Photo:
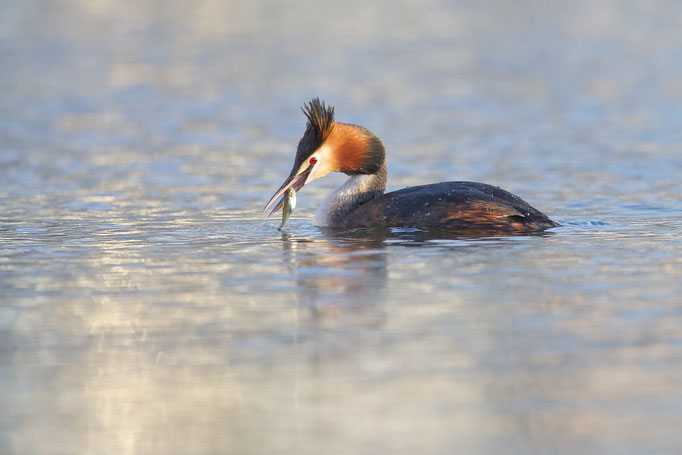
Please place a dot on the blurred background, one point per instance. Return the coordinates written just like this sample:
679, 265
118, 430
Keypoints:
148, 306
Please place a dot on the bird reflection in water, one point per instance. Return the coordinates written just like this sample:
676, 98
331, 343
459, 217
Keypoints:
344, 277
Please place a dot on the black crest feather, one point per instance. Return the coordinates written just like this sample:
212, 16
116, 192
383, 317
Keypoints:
320, 120
320, 117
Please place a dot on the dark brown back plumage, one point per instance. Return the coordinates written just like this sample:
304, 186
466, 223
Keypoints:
460, 206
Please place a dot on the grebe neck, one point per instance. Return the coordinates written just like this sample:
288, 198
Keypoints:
357, 190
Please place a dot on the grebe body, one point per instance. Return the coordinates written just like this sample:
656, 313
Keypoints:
330, 146
447, 205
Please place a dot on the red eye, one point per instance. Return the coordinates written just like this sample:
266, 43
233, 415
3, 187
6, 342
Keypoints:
312, 160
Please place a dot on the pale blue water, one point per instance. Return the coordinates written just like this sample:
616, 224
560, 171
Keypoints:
148, 306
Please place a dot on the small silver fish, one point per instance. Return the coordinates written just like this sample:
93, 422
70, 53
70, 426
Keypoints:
288, 206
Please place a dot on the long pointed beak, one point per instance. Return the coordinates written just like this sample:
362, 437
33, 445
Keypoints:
294, 181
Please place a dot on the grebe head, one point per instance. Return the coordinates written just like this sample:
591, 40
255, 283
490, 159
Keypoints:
330, 146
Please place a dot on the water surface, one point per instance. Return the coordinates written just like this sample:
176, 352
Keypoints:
148, 305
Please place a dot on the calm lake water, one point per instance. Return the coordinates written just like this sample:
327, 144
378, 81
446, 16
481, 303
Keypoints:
148, 305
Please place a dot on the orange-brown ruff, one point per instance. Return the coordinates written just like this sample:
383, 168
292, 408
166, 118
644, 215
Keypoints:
330, 146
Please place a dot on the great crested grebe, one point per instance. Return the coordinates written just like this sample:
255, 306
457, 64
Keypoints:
331, 146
